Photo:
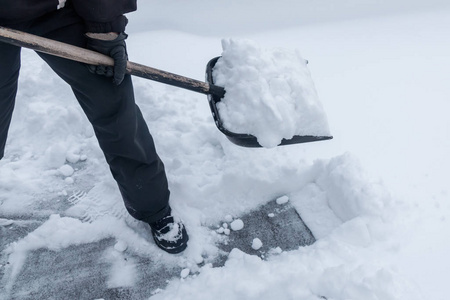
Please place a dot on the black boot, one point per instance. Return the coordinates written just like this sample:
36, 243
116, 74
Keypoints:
169, 235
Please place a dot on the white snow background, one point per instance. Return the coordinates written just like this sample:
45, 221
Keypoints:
376, 196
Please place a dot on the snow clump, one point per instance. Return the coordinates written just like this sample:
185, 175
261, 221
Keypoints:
237, 225
66, 170
282, 200
256, 244
269, 93
228, 218
185, 273
5, 222
120, 246
69, 180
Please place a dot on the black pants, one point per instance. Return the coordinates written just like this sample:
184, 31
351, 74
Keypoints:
117, 121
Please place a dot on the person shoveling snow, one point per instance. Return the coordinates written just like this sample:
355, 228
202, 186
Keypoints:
285, 103
109, 104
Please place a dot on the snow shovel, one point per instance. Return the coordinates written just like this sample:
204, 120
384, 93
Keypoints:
215, 93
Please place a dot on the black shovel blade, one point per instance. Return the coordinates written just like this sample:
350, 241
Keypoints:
244, 139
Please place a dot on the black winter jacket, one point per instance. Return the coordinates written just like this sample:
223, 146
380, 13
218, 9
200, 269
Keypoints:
98, 15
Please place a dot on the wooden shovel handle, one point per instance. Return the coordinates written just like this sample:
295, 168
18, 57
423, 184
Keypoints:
40, 44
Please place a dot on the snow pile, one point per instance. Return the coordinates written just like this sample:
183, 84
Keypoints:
351, 216
269, 93
247, 277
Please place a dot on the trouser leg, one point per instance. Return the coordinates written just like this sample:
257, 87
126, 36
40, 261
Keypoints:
9, 73
120, 129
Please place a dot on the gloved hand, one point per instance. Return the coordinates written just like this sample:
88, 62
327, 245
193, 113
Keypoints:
111, 44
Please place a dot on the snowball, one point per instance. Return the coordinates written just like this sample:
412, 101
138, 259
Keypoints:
269, 93
271, 215
220, 230
237, 225
282, 200
83, 157
198, 259
227, 231
5, 222
277, 250
66, 170
225, 225
185, 273
228, 218
120, 246
256, 244
69, 180
72, 157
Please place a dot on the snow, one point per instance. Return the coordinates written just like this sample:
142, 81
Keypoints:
66, 170
237, 225
5, 222
121, 246
375, 197
172, 235
185, 273
123, 272
256, 244
60, 232
269, 93
69, 180
228, 218
282, 200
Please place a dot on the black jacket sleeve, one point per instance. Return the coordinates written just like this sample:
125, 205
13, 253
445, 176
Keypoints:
103, 16
17, 11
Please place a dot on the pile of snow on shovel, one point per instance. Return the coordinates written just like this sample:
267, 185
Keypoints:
269, 93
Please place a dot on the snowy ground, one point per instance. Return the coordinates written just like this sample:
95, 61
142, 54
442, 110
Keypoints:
376, 197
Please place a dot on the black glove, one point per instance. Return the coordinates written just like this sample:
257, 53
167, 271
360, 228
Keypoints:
117, 49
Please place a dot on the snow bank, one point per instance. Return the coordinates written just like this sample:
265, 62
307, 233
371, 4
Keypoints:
269, 93
349, 213
303, 276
